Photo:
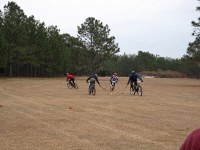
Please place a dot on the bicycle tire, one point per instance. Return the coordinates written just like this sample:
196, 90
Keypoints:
111, 87
89, 91
75, 86
69, 85
132, 91
139, 92
93, 91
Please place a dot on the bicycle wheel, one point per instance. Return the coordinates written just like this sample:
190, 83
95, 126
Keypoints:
75, 86
69, 85
111, 87
139, 90
93, 91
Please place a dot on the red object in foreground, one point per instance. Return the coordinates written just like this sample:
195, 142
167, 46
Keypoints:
192, 142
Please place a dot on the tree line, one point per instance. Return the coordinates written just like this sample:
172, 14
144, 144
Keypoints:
31, 49
154, 65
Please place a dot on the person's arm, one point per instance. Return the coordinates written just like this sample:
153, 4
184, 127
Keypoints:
88, 79
111, 79
139, 78
128, 80
97, 80
67, 78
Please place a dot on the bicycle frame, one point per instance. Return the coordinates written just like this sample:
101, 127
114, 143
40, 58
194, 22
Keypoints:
71, 85
136, 89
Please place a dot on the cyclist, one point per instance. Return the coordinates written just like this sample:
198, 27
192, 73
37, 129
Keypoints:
133, 79
70, 78
92, 79
114, 78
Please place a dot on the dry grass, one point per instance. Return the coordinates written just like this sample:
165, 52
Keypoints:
42, 114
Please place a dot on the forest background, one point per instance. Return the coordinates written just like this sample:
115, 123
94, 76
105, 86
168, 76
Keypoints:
29, 48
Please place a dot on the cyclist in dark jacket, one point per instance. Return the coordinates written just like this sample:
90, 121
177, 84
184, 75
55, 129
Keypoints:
133, 78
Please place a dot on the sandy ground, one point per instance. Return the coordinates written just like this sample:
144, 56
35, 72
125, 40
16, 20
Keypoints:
42, 114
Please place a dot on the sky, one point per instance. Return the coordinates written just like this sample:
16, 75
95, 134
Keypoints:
160, 27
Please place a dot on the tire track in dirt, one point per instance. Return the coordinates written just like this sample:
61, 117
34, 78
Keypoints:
101, 119
80, 117
52, 128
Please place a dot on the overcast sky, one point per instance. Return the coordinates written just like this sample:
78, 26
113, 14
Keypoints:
161, 27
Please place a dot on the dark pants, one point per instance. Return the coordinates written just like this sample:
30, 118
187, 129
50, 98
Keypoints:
135, 83
71, 81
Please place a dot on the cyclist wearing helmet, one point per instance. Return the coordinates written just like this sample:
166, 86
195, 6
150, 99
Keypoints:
133, 78
92, 79
114, 78
70, 78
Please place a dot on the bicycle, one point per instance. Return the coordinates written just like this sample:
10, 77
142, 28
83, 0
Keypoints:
136, 89
91, 89
112, 85
71, 85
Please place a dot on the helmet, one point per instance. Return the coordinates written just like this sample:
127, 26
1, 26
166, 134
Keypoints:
95, 75
114, 73
132, 71
67, 73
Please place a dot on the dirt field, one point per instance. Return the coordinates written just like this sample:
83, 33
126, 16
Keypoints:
42, 114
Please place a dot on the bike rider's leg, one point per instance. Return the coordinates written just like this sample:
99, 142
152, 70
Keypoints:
73, 80
91, 84
92, 87
94, 84
131, 85
135, 85
70, 81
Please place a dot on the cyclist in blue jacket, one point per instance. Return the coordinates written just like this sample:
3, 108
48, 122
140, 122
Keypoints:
133, 79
